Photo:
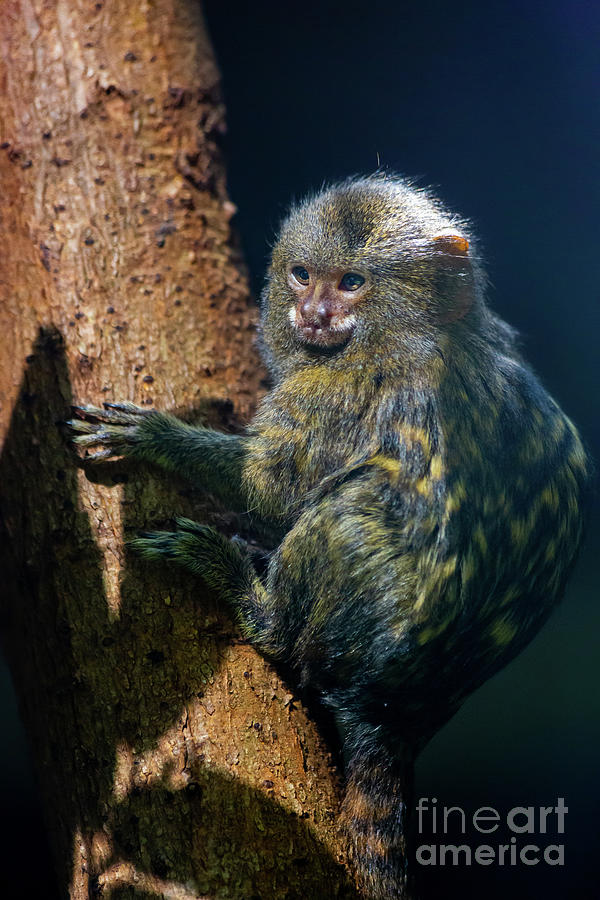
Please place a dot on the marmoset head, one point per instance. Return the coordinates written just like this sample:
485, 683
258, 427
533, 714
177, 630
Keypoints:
371, 265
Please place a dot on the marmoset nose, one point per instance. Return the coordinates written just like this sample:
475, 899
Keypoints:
318, 314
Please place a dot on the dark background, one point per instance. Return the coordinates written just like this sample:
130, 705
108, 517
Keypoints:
497, 106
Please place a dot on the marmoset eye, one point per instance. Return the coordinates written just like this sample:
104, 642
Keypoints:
301, 274
351, 282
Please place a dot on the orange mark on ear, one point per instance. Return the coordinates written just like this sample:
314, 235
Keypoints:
452, 243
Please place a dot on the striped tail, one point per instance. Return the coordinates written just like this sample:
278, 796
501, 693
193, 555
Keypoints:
378, 800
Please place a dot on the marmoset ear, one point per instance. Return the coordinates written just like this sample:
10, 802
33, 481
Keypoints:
452, 242
455, 285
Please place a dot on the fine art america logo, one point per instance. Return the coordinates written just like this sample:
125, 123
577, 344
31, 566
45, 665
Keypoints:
522, 822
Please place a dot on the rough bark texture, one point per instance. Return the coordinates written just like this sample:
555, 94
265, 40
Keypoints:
172, 760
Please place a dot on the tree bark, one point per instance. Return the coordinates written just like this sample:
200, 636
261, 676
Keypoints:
172, 760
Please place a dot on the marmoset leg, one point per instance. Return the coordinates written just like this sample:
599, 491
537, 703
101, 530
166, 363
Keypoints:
223, 566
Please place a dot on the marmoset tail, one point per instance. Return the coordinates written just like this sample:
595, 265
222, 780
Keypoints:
426, 488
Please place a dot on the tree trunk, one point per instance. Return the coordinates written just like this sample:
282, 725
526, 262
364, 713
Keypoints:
172, 760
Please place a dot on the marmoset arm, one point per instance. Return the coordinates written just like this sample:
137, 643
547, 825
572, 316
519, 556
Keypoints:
209, 459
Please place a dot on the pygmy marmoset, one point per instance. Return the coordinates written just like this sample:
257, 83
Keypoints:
426, 488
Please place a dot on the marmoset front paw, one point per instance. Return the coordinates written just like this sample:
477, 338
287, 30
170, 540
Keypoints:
114, 428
